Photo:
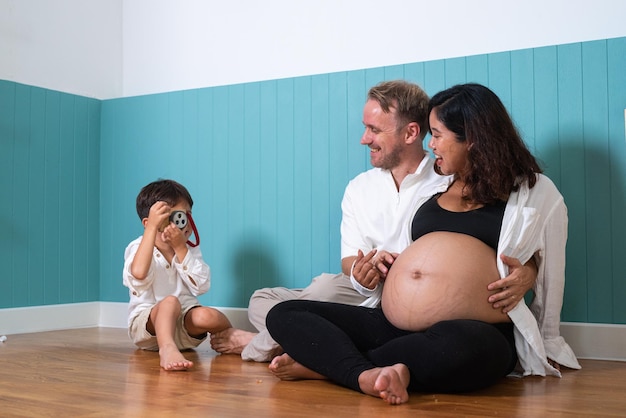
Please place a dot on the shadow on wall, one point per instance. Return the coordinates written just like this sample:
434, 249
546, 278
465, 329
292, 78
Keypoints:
254, 265
594, 191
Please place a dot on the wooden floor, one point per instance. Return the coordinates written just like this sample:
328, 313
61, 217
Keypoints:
97, 372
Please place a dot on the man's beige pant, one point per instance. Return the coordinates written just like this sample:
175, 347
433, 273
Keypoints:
325, 287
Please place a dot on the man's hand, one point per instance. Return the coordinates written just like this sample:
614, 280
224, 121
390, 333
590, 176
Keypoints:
383, 261
513, 287
364, 270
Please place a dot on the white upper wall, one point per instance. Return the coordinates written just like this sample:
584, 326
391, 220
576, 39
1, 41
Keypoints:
117, 48
73, 46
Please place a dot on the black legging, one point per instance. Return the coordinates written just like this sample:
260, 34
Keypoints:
341, 341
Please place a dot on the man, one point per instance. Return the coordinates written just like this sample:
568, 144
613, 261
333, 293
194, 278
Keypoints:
377, 207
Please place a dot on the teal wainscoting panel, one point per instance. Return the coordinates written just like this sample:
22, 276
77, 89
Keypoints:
522, 106
51, 220
616, 50
52, 243
320, 149
85, 228
357, 87
198, 160
477, 69
221, 251
598, 181
282, 258
247, 240
394, 72
455, 71
338, 142
20, 213
9, 219
238, 183
435, 77
269, 167
571, 146
303, 170
111, 253
92, 195
188, 155
500, 80
65, 196
36, 193
545, 141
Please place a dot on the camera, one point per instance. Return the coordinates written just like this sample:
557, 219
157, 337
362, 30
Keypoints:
179, 218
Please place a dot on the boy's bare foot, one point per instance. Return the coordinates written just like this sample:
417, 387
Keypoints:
286, 368
172, 359
231, 340
389, 383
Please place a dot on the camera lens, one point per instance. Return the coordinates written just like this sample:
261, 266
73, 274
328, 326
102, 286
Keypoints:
179, 218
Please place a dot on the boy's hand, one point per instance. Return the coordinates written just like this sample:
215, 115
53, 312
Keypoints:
174, 236
158, 216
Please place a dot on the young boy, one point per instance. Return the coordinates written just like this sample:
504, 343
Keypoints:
164, 277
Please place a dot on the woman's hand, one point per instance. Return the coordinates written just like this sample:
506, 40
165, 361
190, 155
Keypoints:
513, 287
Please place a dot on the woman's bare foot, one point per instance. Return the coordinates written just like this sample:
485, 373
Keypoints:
286, 368
389, 383
554, 364
172, 359
231, 340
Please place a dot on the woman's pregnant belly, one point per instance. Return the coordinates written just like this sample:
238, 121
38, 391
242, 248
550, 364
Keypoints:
441, 276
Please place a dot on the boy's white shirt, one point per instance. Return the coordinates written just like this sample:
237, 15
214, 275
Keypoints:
165, 279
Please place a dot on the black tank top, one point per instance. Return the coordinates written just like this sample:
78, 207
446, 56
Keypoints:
483, 223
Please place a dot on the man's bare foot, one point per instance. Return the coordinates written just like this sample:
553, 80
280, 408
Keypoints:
286, 368
231, 340
172, 359
389, 383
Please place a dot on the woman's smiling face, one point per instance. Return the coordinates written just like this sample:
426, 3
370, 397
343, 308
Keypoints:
450, 153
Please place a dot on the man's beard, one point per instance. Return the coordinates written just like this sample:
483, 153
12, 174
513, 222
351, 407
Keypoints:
392, 159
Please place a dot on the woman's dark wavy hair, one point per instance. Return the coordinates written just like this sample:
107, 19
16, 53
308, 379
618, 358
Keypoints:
499, 159
168, 191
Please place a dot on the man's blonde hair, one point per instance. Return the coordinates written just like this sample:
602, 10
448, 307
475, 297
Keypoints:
408, 99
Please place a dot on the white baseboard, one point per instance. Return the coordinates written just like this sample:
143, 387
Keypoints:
596, 341
84, 315
589, 341
49, 317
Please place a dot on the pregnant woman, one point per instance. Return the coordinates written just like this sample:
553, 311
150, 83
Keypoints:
435, 330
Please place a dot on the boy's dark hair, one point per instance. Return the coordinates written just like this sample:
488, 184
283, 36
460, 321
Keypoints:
167, 191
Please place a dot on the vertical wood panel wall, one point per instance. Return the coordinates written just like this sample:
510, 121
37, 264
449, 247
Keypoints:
49, 172
267, 164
